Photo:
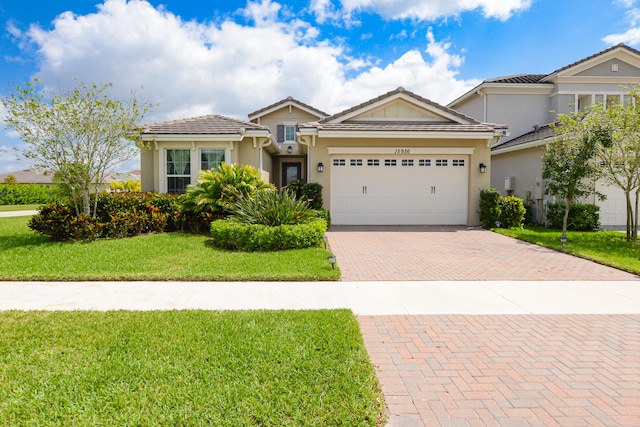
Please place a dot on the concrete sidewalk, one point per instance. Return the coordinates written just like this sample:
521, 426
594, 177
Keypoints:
364, 298
17, 213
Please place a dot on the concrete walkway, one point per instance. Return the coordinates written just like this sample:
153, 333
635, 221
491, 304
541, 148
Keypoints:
364, 298
17, 213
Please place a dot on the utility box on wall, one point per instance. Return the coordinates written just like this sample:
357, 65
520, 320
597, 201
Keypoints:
509, 183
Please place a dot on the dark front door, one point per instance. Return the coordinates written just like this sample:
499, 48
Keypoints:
291, 172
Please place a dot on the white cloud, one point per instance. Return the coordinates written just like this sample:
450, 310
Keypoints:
191, 68
632, 35
427, 10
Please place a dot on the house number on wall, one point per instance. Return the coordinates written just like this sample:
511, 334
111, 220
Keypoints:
402, 151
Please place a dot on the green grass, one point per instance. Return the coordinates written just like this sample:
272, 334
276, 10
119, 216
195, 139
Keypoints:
605, 247
25, 255
12, 208
186, 368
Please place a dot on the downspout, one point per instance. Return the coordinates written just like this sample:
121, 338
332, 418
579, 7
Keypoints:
484, 104
260, 146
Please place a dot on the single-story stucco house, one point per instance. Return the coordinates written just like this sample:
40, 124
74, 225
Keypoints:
393, 160
529, 103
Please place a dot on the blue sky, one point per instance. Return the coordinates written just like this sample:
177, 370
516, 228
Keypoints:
235, 57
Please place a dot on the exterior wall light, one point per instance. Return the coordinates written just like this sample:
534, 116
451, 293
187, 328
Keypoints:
289, 149
483, 168
332, 261
320, 167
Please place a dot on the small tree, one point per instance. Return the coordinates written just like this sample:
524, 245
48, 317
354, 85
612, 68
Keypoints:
568, 163
81, 134
620, 152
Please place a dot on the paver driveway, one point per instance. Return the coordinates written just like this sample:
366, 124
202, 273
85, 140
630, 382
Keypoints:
392, 253
492, 370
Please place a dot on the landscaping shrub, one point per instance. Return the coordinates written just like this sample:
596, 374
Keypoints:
308, 191
231, 234
512, 212
268, 207
27, 194
489, 207
60, 223
216, 190
118, 215
582, 217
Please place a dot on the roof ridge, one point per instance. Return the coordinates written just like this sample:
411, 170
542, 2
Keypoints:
602, 52
284, 101
398, 90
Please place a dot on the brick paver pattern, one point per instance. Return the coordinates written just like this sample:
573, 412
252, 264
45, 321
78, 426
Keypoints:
517, 370
388, 253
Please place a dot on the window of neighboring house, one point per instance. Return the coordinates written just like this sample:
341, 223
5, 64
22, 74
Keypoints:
178, 170
210, 158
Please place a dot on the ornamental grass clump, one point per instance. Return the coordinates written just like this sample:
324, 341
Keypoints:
270, 208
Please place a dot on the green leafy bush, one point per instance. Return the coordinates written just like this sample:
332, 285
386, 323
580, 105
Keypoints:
489, 207
27, 194
582, 217
118, 215
231, 234
311, 192
216, 190
512, 212
268, 207
60, 223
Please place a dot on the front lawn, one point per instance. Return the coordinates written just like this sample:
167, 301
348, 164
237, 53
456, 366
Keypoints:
605, 247
25, 255
186, 368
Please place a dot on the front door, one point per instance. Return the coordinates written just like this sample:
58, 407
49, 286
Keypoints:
291, 172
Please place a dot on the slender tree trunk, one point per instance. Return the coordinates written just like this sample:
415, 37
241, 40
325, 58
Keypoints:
634, 236
627, 195
565, 219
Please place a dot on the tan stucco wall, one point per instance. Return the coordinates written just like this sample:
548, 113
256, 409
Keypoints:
477, 180
147, 170
284, 115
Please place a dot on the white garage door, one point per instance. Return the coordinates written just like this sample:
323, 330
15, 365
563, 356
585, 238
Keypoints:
399, 190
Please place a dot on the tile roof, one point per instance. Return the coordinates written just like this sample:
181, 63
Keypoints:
394, 92
518, 78
619, 45
30, 176
537, 134
213, 124
285, 101
402, 127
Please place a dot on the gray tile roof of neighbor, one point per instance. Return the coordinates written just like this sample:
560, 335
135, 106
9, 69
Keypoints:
518, 78
212, 124
537, 134
30, 176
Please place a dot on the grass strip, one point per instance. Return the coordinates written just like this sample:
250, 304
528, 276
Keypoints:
605, 247
25, 255
186, 368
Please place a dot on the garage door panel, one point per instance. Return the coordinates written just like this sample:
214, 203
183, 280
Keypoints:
402, 190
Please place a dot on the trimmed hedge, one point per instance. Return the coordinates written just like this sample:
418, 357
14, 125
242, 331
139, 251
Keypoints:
27, 194
230, 234
582, 217
501, 212
489, 211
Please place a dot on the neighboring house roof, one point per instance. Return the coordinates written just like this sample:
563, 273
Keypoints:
284, 103
595, 55
122, 176
212, 124
30, 176
533, 138
518, 78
